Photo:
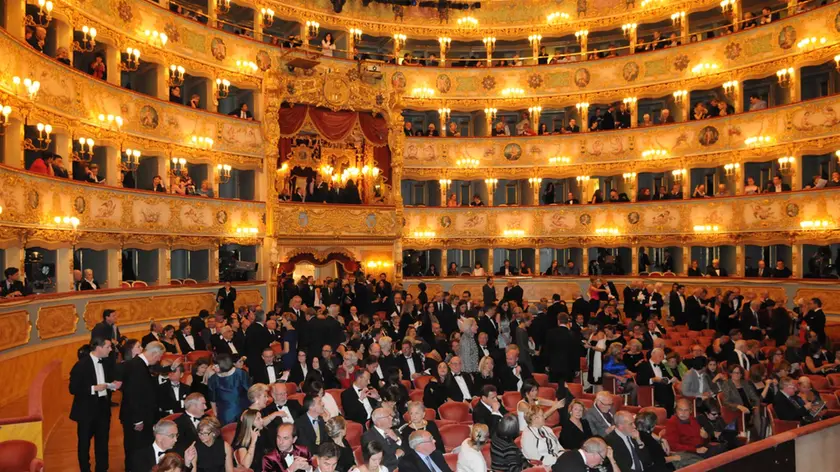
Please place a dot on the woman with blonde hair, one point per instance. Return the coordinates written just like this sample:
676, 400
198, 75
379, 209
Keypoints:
485, 375
538, 440
346, 372
337, 431
470, 458
575, 429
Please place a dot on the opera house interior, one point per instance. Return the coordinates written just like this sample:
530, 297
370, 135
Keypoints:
432, 236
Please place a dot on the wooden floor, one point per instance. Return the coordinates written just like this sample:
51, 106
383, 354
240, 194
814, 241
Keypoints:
60, 453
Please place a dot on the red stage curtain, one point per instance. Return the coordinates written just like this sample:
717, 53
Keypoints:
333, 125
285, 149
374, 128
291, 120
382, 158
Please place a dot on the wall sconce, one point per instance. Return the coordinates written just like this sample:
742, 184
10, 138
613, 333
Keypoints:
222, 88
655, 154
424, 234
399, 40
786, 164
535, 181
535, 111
444, 184
810, 43
378, 264
727, 6
512, 92
368, 171
44, 14
756, 141
445, 44
467, 163
85, 150
67, 222
630, 102
131, 160
156, 38
44, 139
582, 179
88, 40
31, 87
607, 231
730, 89
356, 34
222, 6
628, 28
132, 60
785, 77
813, 225
176, 75
312, 28
423, 92
246, 67
680, 96
704, 68
110, 120
444, 114
202, 142
491, 184
677, 18
582, 108
223, 173
489, 44
557, 17
490, 113
679, 174
559, 160
246, 230
467, 22
177, 165
581, 35
731, 170
534, 40
836, 153
267, 16
629, 177
706, 228
514, 233
837, 62
5, 111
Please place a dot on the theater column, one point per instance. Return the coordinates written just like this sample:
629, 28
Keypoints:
584, 260
113, 58
490, 264
213, 260
686, 260
15, 256
114, 265
397, 257
795, 174
258, 24
112, 166
15, 18
796, 260
262, 259
634, 258
12, 149
164, 265
740, 260
443, 270
536, 269
64, 269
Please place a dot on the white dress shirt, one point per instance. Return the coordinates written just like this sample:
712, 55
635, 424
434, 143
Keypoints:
410, 362
462, 384
100, 376
272, 373
657, 371
190, 341
365, 401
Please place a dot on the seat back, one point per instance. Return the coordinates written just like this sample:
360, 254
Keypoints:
421, 381
451, 460
17, 455
819, 382
541, 379
547, 393
834, 380
194, 356
354, 434
575, 389
228, 431
780, 426
510, 399
455, 411
453, 435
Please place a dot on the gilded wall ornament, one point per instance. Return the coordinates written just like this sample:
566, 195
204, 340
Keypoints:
149, 117
582, 77
585, 219
837, 22
445, 221
264, 60
218, 49
732, 51
708, 136
172, 32
443, 83
370, 220
630, 71
633, 218
124, 10
787, 37
535, 81
33, 199
79, 205
303, 219
792, 210
336, 91
513, 152
398, 81
681, 62
488, 82
221, 217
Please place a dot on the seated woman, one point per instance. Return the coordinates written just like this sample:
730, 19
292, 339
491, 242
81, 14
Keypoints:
485, 376
538, 440
504, 453
372, 453
674, 369
436, 392
614, 365
739, 393
212, 453
765, 386
337, 431
479, 270
634, 355
417, 422
470, 458
658, 457
530, 397
248, 447
575, 429
817, 359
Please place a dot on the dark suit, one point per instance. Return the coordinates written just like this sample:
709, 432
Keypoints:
570, 461
781, 273
220, 346
238, 114
143, 459
748, 321
185, 346
561, 350
694, 313
647, 340
755, 273
168, 402
515, 294
149, 338
454, 390
711, 272
354, 410
402, 363
488, 294
412, 462
789, 409
509, 381
257, 338
260, 373
816, 322
227, 299
294, 409
482, 414
85, 285
486, 325
389, 447
139, 405
676, 309
663, 393
305, 432
187, 433
105, 331
91, 412
622, 455
16, 286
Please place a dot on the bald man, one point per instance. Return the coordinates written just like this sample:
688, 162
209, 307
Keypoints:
275, 461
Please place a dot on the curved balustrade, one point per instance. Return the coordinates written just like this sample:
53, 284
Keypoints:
804, 127
316, 220
765, 219
31, 201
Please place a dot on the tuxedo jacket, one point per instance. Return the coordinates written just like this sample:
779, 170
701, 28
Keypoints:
168, 402
15, 287
482, 414
766, 272
416, 360
305, 431
105, 331
710, 271
227, 300
509, 381
274, 461
675, 308
354, 410
198, 342
82, 377
788, 409
144, 459
411, 462
562, 353
257, 338
454, 391
570, 461
220, 346
148, 338
187, 433
623, 457
489, 326
663, 393
694, 313
271, 428
139, 389
514, 294
488, 294
389, 447
260, 373
85, 285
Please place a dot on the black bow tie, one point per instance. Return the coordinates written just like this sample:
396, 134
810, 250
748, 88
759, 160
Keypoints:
160, 453
456, 375
99, 361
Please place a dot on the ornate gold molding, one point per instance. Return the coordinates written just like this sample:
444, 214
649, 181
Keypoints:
16, 329
56, 321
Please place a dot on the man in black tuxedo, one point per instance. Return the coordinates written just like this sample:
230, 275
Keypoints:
487, 324
155, 333
676, 305
139, 410
715, 270
589, 457
289, 410
269, 370
815, 319
383, 432
506, 270
310, 428
242, 112
199, 323
107, 329
787, 404
186, 340
489, 409
410, 362
561, 351
695, 311
258, 338
88, 282
12, 286
628, 449
360, 400
330, 295
195, 406
650, 373
226, 296
488, 293
227, 344
514, 292
91, 383
760, 271
422, 455
513, 374
172, 394
144, 458
751, 321
652, 333
460, 384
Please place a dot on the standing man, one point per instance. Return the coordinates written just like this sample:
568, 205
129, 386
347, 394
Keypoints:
91, 384
488, 293
107, 328
226, 296
139, 406
258, 338
815, 318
